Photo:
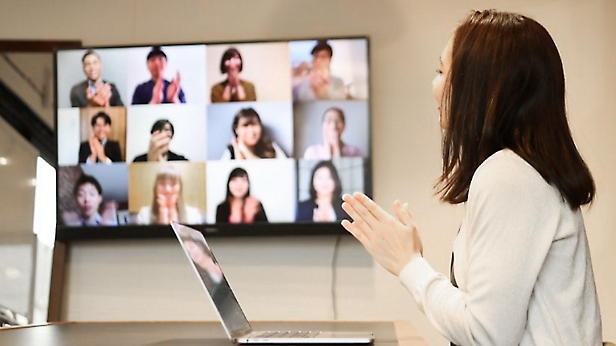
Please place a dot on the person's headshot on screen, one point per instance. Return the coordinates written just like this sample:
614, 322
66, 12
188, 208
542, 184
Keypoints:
88, 194
250, 140
161, 135
332, 126
99, 149
167, 201
233, 88
521, 270
316, 82
158, 90
239, 206
94, 91
325, 202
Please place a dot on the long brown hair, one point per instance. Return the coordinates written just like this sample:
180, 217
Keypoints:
506, 89
264, 147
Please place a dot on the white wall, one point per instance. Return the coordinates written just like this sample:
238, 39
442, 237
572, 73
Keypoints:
147, 280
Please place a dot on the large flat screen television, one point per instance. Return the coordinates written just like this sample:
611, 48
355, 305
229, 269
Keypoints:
233, 138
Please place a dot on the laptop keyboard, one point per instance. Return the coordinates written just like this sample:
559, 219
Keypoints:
289, 334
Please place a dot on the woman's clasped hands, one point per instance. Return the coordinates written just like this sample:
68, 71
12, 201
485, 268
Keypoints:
392, 241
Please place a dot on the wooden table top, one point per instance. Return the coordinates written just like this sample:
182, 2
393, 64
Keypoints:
187, 333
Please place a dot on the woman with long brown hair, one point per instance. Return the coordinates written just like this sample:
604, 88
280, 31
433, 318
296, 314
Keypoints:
521, 271
250, 139
167, 202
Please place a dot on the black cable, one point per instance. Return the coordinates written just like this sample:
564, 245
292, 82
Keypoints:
334, 275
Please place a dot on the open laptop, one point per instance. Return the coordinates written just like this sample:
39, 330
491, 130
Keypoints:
233, 319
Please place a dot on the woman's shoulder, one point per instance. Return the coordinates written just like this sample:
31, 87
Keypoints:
246, 84
308, 203
143, 217
506, 173
280, 154
503, 163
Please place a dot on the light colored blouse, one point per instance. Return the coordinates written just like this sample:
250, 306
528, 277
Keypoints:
522, 264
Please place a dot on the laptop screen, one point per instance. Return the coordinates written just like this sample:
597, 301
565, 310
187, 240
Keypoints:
213, 280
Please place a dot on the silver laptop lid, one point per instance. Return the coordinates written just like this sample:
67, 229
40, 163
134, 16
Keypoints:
213, 280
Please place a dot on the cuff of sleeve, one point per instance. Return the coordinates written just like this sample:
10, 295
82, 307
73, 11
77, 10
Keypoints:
416, 276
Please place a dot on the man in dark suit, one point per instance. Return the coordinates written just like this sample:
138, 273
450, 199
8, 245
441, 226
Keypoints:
162, 133
94, 91
99, 149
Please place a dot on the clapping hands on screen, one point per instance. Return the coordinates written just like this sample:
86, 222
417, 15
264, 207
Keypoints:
159, 145
245, 210
319, 82
323, 213
333, 145
167, 208
97, 151
173, 90
101, 97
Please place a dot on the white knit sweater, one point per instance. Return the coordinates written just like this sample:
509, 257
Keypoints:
522, 265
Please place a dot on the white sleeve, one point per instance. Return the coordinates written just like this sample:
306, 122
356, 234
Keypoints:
280, 154
226, 155
193, 215
143, 217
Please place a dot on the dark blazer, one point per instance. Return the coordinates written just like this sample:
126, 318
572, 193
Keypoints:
80, 99
112, 150
223, 211
305, 209
171, 156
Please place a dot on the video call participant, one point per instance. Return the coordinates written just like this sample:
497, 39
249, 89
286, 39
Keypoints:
89, 196
167, 202
239, 206
332, 126
325, 202
162, 134
250, 140
99, 149
94, 91
316, 82
158, 90
233, 88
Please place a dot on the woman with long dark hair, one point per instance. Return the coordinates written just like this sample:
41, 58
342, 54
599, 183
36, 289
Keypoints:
521, 270
239, 206
324, 204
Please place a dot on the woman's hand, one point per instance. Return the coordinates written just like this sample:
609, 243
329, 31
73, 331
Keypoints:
163, 209
323, 213
392, 241
242, 151
167, 208
251, 208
